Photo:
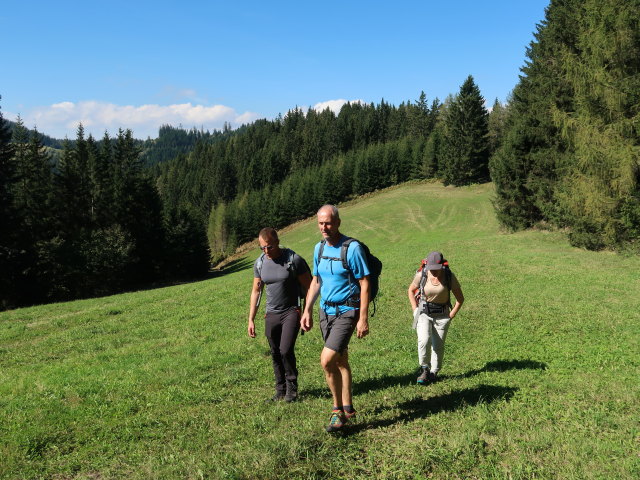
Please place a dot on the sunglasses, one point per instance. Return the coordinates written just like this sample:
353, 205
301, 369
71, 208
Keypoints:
266, 247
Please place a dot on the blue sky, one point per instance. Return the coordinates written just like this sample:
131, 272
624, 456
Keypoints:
141, 64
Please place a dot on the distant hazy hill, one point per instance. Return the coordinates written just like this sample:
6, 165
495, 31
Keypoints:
171, 142
46, 139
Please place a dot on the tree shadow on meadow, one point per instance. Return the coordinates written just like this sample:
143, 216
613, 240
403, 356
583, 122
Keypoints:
234, 266
419, 407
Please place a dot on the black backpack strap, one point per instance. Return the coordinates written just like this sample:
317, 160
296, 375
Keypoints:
447, 275
322, 244
317, 260
345, 264
423, 281
293, 273
343, 252
259, 265
291, 267
259, 268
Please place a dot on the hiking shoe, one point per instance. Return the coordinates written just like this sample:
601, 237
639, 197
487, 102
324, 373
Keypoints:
291, 396
336, 422
350, 415
424, 377
433, 377
292, 392
276, 398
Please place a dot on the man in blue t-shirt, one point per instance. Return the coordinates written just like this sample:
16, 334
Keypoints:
344, 308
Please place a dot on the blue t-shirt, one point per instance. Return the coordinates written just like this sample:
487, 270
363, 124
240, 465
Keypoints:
336, 287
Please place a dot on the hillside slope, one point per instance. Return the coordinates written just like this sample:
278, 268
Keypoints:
539, 381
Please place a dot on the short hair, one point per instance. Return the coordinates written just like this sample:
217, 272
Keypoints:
334, 211
268, 232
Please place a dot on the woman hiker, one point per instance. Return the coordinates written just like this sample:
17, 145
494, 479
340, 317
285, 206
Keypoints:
430, 297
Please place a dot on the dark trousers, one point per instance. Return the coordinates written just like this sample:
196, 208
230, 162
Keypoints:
282, 330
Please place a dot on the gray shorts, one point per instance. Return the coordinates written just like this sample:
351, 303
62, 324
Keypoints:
337, 330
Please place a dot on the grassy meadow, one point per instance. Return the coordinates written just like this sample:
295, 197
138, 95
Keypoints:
540, 378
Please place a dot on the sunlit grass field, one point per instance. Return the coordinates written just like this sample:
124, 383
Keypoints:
540, 379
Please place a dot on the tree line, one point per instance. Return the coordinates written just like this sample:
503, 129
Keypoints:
91, 223
279, 171
102, 217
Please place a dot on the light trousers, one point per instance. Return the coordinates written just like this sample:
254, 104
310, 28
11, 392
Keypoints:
432, 332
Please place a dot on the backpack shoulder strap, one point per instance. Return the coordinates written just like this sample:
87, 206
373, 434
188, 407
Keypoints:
317, 260
259, 268
448, 277
259, 265
343, 252
423, 281
320, 251
291, 266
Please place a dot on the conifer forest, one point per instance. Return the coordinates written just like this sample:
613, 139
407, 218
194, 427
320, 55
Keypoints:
86, 217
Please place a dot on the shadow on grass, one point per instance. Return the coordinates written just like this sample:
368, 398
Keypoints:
368, 385
419, 407
381, 383
232, 267
501, 366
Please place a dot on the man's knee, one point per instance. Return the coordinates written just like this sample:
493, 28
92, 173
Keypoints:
286, 353
329, 360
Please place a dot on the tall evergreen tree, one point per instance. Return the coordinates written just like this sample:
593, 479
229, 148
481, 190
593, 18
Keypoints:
465, 145
496, 125
420, 118
8, 242
524, 168
36, 265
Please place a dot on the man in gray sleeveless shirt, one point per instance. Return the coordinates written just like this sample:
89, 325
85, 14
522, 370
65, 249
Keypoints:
287, 278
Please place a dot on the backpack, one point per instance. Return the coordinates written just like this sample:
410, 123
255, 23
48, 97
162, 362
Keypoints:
291, 267
418, 292
373, 262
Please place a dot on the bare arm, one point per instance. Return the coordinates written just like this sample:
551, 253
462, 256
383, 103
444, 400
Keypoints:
305, 281
253, 307
457, 292
412, 297
362, 327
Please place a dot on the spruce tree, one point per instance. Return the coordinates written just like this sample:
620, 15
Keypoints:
465, 145
524, 168
8, 241
420, 125
496, 125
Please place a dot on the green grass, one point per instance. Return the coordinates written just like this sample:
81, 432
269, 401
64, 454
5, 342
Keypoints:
540, 378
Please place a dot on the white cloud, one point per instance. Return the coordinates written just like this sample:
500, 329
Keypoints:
62, 119
333, 105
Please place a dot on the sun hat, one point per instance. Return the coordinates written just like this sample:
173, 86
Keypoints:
435, 261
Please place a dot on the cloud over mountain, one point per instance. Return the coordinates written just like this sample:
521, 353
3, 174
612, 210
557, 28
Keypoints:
62, 119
